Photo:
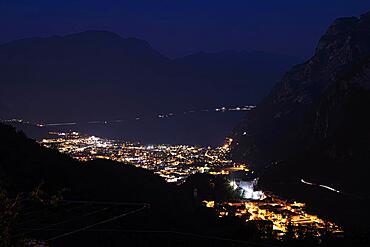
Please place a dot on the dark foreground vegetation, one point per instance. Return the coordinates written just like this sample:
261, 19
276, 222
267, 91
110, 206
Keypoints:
45, 194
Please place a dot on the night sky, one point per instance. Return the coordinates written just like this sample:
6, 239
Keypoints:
178, 28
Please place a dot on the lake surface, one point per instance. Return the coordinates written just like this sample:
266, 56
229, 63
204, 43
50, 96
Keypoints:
199, 128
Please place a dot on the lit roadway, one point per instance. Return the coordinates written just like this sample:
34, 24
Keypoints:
321, 185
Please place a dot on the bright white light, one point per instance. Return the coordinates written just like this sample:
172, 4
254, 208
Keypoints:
320, 185
233, 185
247, 189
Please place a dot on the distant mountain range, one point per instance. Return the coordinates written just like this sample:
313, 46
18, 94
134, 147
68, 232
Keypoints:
99, 74
314, 124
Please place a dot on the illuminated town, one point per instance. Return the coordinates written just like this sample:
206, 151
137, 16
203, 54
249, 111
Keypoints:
283, 215
172, 162
177, 162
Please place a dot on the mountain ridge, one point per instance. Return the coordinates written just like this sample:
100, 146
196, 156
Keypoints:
111, 73
306, 116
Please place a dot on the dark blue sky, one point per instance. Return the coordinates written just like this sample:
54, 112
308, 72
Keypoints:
181, 27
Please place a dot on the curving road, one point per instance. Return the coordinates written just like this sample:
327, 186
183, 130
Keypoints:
322, 186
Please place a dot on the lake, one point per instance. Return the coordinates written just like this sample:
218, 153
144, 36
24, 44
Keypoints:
198, 128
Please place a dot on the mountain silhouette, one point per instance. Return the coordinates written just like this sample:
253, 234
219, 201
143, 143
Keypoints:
99, 74
314, 124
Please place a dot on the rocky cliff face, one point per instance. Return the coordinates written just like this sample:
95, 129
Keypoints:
319, 109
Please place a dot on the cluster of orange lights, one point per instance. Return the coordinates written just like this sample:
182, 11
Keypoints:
281, 213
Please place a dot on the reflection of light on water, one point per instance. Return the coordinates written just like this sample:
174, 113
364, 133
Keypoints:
247, 189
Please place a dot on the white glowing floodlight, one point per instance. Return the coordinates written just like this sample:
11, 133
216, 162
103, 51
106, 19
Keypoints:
247, 189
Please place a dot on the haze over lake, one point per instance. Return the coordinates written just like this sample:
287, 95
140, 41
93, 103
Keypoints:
198, 128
